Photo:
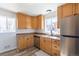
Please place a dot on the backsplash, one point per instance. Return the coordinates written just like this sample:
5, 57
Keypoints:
25, 30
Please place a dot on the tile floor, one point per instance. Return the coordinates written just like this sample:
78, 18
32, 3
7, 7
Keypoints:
28, 52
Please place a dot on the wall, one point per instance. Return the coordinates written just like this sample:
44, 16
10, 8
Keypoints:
7, 40
25, 31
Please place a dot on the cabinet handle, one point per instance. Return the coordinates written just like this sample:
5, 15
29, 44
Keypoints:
55, 54
55, 46
54, 41
44, 40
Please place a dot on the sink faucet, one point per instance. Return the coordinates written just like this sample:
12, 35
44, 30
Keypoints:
51, 32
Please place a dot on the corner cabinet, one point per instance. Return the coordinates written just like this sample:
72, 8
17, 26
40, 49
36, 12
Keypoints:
21, 21
38, 22
24, 42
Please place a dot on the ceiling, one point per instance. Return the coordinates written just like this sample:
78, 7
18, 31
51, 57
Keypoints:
32, 9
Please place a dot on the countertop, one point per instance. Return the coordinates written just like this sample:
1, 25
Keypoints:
41, 35
48, 36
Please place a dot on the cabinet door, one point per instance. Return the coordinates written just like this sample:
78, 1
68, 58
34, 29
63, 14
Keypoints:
67, 10
21, 42
28, 21
42, 43
21, 21
30, 41
48, 45
59, 16
77, 8
40, 20
55, 52
34, 22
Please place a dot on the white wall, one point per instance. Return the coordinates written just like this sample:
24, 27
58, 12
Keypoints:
7, 41
25, 30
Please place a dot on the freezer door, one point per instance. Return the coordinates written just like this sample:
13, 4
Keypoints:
70, 26
68, 46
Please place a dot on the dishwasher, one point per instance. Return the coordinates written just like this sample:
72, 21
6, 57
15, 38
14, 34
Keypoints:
37, 42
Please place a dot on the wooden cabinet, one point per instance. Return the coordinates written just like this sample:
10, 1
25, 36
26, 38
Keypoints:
55, 52
42, 43
24, 41
40, 22
45, 44
48, 45
21, 21
77, 8
67, 10
34, 22
55, 47
28, 22
30, 41
21, 42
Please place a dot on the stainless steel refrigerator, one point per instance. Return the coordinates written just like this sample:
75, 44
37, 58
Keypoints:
69, 30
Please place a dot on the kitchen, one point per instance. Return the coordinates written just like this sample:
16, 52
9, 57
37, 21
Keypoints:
38, 29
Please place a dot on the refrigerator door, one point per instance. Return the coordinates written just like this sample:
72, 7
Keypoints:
67, 46
70, 26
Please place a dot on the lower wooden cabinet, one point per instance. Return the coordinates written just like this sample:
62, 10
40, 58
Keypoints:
24, 41
30, 41
50, 46
55, 52
55, 47
45, 44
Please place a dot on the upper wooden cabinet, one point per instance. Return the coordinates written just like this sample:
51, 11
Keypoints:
37, 22
34, 22
77, 8
28, 21
66, 10
21, 21
40, 22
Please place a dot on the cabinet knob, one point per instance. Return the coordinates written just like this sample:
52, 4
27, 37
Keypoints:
55, 46
55, 54
44, 40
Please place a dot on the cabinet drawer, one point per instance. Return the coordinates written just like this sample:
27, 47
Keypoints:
55, 52
56, 42
56, 47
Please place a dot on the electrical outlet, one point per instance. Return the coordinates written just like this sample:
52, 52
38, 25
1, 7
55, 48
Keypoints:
7, 46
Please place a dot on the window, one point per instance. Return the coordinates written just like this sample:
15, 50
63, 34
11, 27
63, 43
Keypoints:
7, 24
50, 24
